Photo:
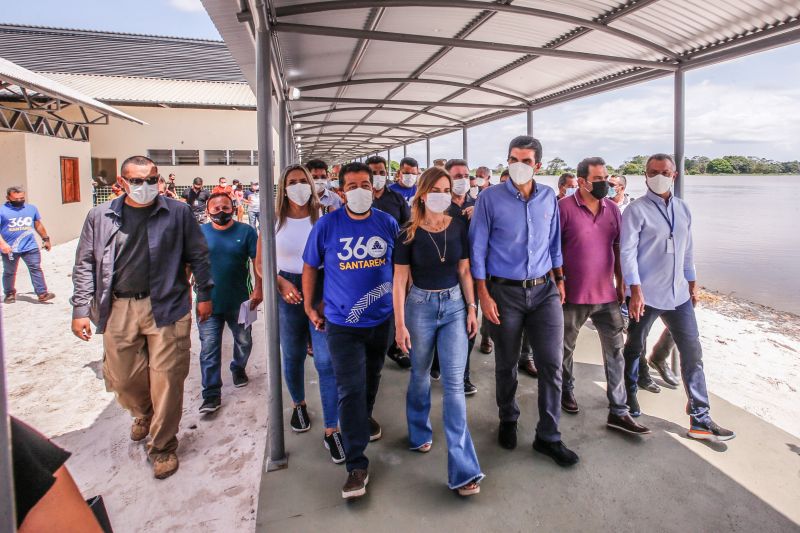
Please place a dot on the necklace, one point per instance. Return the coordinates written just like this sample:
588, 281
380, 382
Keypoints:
441, 255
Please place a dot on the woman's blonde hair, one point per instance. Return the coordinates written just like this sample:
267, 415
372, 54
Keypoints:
282, 201
426, 182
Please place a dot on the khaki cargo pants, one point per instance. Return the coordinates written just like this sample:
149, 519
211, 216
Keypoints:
146, 367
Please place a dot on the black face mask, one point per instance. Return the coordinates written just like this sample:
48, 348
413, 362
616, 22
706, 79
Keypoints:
17, 203
221, 218
600, 189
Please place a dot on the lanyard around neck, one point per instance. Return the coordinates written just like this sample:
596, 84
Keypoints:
670, 223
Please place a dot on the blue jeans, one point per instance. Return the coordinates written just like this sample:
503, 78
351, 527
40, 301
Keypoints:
33, 260
211, 349
439, 319
357, 355
295, 331
252, 219
682, 324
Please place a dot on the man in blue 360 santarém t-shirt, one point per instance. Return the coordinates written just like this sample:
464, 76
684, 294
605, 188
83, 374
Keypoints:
18, 223
355, 247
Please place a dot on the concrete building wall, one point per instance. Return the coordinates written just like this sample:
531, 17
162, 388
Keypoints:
34, 161
181, 129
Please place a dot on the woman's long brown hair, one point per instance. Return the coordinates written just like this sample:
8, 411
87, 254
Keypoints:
426, 182
282, 201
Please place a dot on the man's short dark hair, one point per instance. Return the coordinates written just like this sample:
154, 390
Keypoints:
526, 142
505, 172
377, 160
138, 160
353, 167
222, 178
583, 166
316, 164
220, 195
410, 161
197, 181
15, 189
660, 157
484, 170
622, 179
562, 179
455, 163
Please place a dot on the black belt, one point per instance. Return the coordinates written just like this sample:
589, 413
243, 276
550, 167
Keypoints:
524, 283
134, 295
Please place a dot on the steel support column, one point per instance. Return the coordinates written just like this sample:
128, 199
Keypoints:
428, 152
464, 147
405, 150
530, 122
277, 454
679, 130
389, 161
285, 139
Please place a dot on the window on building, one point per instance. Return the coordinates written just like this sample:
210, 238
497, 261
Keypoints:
187, 157
70, 180
216, 157
160, 157
231, 157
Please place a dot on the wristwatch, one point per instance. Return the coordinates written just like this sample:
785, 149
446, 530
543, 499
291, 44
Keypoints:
559, 278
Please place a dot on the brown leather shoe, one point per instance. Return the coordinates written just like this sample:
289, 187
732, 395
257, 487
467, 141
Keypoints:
140, 429
569, 403
527, 365
486, 345
46, 297
165, 465
626, 424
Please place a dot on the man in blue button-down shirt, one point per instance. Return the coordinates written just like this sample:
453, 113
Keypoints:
516, 244
658, 267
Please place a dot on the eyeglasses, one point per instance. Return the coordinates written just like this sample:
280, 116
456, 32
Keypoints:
152, 180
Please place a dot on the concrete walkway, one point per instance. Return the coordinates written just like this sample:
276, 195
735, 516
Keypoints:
664, 482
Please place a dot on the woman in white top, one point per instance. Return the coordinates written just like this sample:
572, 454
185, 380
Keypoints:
297, 209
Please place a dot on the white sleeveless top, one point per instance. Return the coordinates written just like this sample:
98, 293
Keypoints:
290, 242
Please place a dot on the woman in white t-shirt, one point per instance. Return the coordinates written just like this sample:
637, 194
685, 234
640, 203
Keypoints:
297, 209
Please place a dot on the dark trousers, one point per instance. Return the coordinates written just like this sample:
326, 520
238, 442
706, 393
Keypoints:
537, 311
661, 352
33, 260
357, 355
682, 324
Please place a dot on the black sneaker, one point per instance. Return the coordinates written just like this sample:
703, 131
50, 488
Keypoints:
300, 421
633, 406
403, 361
559, 453
374, 430
356, 484
240, 378
435, 375
210, 405
333, 443
507, 435
469, 388
711, 432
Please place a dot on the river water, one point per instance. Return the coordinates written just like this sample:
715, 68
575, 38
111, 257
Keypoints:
746, 235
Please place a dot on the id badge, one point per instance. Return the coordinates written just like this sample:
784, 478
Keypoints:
670, 247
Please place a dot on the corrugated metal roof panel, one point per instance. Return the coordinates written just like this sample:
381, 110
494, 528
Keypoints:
157, 91
22, 77
117, 54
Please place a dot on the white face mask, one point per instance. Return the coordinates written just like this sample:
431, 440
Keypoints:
144, 193
359, 200
520, 173
378, 181
334, 184
460, 186
494, 180
299, 193
473, 191
437, 202
409, 180
320, 185
659, 183
481, 182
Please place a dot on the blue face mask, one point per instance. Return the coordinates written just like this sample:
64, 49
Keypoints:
570, 191
612, 192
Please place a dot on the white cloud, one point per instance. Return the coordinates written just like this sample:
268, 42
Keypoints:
191, 6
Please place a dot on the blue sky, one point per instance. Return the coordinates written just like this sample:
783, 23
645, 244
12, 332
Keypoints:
750, 106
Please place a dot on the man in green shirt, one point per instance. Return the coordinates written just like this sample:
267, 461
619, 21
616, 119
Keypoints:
230, 244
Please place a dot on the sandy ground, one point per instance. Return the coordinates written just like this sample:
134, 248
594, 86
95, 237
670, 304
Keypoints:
55, 384
752, 359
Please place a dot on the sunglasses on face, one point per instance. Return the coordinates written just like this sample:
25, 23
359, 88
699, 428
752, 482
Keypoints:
152, 180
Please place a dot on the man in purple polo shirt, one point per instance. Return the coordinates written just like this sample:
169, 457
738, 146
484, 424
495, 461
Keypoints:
590, 230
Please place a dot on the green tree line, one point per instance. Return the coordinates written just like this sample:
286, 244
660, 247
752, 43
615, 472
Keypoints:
729, 164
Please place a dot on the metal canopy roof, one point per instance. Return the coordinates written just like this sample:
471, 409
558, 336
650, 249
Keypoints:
374, 75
